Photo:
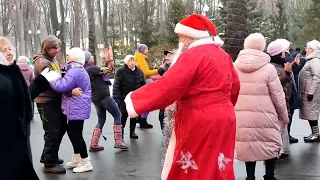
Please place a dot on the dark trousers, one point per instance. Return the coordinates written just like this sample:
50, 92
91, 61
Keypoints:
124, 117
269, 164
161, 118
54, 124
75, 128
110, 105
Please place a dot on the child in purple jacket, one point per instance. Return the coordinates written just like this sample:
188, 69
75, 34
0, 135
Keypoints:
77, 109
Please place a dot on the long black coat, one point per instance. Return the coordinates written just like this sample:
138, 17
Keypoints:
15, 116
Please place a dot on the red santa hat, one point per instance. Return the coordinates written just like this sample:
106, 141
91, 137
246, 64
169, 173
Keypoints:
198, 26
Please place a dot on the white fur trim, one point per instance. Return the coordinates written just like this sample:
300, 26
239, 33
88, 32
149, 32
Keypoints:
169, 156
188, 31
218, 41
203, 41
129, 106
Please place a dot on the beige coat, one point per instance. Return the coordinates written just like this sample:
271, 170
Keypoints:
309, 82
261, 108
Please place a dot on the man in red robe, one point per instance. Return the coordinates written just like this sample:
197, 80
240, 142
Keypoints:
205, 86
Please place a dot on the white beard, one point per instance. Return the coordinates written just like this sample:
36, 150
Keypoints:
177, 54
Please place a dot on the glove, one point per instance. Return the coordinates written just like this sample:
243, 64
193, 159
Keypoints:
309, 97
105, 70
161, 71
50, 75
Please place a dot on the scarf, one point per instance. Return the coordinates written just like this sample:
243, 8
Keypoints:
105, 77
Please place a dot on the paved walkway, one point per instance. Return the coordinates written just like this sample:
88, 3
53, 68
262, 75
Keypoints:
142, 161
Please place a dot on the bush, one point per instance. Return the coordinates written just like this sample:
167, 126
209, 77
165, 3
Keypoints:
156, 55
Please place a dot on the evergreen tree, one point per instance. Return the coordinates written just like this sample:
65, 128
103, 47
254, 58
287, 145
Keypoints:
221, 19
255, 16
176, 12
311, 23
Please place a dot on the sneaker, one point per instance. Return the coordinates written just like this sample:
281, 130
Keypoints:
293, 140
54, 169
75, 160
83, 166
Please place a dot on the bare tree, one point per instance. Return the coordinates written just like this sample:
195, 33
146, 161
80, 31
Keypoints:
77, 22
91, 23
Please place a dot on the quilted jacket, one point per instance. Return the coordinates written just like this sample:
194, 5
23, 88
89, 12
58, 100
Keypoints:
75, 108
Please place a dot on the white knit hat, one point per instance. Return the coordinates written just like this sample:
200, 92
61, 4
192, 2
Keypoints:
255, 41
314, 45
278, 46
76, 55
127, 58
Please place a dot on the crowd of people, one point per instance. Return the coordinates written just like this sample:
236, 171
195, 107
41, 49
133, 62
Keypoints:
209, 103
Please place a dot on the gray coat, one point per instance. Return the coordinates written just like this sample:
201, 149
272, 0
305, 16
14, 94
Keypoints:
309, 82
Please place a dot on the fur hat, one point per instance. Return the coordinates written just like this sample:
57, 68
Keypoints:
87, 55
127, 58
255, 41
314, 45
278, 46
76, 55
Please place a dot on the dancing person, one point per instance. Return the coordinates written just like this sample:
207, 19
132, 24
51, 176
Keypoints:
128, 78
205, 86
141, 56
102, 100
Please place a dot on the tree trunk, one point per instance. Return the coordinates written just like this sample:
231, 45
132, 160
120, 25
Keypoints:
105, 23
54, 16
237, 29
77, 22
91, 22
62, 34
20, 27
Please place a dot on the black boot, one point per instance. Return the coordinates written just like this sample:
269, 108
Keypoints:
144, 124
269, 178
293, 140
133, 134
59, 161
54, 169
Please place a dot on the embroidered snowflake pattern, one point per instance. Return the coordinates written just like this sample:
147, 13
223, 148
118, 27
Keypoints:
186, 161
223, 162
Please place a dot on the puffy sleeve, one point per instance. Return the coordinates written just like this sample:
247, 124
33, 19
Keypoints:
315, 71
65, 84
277, 94
143, 65
235, 87
116, 91
163, 92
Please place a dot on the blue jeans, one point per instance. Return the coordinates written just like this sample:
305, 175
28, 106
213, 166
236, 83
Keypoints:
110, 105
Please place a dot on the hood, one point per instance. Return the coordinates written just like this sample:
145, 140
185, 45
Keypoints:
138, 55
24, 66
3, 60
315, 54
250, 60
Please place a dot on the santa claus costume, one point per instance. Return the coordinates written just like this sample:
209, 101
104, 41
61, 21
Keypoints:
205, 86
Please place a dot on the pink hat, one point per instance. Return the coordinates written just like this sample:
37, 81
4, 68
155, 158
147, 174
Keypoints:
278, 46
255, 41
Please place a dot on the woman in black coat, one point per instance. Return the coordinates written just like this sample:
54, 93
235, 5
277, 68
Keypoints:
15, 116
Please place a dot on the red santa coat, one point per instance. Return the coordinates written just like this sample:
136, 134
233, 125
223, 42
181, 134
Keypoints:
206, 87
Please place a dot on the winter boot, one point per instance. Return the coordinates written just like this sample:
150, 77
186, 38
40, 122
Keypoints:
54, 169
95, 141
59, 161
250, 178
117, 129
133, 134
144, 124
314, 136
83, 166
293, 140
75, 160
